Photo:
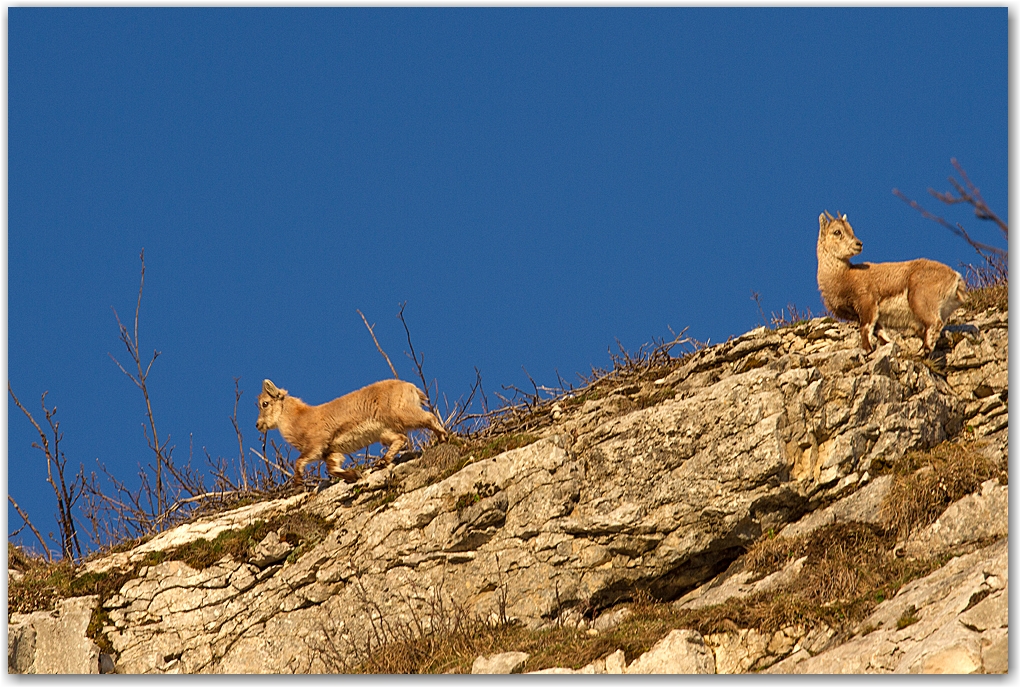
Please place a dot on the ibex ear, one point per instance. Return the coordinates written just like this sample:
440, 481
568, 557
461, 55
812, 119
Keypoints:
270, 388
822, 222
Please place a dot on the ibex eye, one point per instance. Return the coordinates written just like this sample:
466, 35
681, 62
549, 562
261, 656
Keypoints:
838, 233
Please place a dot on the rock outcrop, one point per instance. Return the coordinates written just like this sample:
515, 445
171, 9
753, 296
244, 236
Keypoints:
955, 620
656, 486
54, 642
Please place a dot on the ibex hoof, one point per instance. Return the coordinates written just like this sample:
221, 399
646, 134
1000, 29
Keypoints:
350, 475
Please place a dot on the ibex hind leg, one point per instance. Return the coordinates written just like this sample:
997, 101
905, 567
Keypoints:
437, 427
429, 421
394, 441
867, 334
334, 461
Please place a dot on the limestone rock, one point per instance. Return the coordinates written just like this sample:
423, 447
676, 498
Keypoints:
750, 650
657, 487
681, 651
948, 637
611, 619
861, 506
616, 663
736, 584
980, 516
270, 550
499, 664
53, 642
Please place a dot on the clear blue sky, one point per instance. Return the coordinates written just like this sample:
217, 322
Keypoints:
535, 183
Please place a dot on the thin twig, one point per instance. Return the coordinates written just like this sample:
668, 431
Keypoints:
378, 347
418, 362
133, 350
24, 516
972, 196
66, 497
193, 499
956, 229
271, 464
237, 431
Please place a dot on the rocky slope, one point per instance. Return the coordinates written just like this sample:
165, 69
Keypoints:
657, 486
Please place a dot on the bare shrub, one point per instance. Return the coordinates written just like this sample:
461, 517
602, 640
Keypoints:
524, 411
119, 512
994, 267
67, 491
786, 317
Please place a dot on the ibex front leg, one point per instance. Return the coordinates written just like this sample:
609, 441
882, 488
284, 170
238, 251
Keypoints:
304, 459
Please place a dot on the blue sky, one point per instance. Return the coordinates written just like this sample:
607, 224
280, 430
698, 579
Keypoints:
534, 183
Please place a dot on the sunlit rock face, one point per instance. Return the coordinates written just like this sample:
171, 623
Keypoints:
657, 485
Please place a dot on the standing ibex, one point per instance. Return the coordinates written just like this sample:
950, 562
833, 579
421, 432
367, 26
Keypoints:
918, 294
384, 411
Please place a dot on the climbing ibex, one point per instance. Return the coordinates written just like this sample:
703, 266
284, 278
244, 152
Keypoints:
384, 411
918, 295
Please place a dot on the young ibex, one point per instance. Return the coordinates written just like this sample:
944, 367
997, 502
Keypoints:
918, 294
384, 411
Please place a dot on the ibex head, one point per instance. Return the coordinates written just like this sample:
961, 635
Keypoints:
836, 237
270, 405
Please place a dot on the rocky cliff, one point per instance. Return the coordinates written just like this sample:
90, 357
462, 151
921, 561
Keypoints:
666, 485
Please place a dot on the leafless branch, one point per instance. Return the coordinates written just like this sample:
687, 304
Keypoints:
996, 259
459, 414
982, 248
282, 469
969, 193
132, 345
418, 362
67, 494
200, 497
370, 328
125, 515
240, 439
28, 523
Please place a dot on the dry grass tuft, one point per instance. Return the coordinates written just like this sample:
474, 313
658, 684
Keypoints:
849, 569
498, 444
994, 296
451, 646
454, 650
41, 587
770, 553
927, 482
43, 583
844, 561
